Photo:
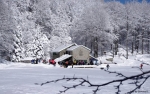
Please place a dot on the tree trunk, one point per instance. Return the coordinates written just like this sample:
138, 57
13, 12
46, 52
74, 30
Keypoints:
138, 46
85, 41
127, 49
142, 44
148, 43
133, 42
132, 48
113, 51
148, 47
95, 47
92, 41
111, 47
137, 41
127, 39
116, 48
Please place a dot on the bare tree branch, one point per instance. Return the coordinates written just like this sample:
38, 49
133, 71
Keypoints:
138, 68
118, 74
139, 78
139, 86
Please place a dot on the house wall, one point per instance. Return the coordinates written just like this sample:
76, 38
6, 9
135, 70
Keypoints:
58, 54
62, 52
55, 55
81, 53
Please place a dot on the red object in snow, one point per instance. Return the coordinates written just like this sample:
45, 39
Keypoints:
52, 61
141, 66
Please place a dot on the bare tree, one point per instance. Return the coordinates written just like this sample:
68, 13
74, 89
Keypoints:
138, 80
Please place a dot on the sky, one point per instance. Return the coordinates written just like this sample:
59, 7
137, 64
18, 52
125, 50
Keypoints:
125, 1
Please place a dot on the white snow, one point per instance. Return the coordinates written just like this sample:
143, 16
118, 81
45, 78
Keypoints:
62, 47
28, 58
76, 46
23, 78
63, 57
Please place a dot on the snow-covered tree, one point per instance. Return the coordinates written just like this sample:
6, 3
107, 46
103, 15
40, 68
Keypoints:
94, 27
35, 27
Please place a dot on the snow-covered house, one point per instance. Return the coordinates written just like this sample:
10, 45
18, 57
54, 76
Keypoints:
71, 52
61, 50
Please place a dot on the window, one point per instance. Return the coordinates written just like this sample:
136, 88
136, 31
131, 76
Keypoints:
68, 52
55, 53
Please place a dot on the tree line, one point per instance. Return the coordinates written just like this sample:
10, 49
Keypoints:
35, 27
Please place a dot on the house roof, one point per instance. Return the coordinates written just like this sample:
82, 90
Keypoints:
76, 46
63, 57
92, 57
60, 48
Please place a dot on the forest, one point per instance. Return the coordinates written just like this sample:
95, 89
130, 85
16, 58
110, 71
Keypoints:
35, 27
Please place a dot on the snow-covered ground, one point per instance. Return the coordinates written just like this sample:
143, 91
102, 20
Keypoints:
21, 78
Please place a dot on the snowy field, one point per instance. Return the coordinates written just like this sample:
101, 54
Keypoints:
21, 78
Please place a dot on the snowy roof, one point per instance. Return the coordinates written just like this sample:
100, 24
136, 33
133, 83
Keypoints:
93, 57
76, 46
63, 57
63, 47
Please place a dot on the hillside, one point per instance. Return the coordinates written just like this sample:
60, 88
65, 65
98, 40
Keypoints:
34, 27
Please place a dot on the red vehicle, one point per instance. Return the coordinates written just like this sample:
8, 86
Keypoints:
52, 61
